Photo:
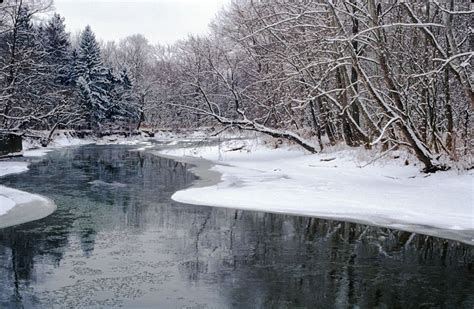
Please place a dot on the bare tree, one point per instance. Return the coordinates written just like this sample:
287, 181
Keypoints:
363, 72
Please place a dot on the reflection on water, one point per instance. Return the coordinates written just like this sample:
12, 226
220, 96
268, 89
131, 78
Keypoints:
117, 239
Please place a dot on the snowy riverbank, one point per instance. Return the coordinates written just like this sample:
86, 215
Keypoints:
6, 168
333, 185
337, 184
17, 206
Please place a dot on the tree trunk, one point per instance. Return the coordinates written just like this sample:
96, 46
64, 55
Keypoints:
346, 128
449, 114
354, 75
317, 126
405, 126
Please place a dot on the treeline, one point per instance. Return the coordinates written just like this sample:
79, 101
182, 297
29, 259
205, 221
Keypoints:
382, 74
47, 81
371, 73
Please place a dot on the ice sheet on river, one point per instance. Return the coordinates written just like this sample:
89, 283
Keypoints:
107, 184
334, 186
6, 167
17, 206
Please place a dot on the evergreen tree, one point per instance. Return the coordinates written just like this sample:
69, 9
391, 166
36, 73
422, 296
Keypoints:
73, 74
93, 83
58, 50
25, 33
89, 60
122, 99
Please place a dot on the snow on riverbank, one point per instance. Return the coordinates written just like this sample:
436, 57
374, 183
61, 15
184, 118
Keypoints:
32, 147
11, 198
6, 201
332, 185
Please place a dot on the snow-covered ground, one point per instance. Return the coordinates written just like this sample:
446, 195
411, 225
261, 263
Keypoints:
6, 201
32, 147
333, 185
30, 206
9, 198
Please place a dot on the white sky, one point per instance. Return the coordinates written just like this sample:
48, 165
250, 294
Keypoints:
163, 21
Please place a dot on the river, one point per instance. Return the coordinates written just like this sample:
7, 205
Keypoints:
118, 240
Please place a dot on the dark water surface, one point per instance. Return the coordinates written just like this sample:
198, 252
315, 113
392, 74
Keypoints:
118, 240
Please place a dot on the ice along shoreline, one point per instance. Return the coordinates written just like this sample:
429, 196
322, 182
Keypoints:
226, 182
18, 207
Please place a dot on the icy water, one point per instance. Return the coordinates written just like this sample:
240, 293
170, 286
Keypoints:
117, 240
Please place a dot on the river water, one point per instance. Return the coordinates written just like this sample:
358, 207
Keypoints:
118, 240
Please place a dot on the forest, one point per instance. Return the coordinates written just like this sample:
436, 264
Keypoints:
378, 74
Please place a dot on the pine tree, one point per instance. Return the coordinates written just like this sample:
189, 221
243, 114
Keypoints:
58, 50
73, 74
89, 60
122, 99
93, 82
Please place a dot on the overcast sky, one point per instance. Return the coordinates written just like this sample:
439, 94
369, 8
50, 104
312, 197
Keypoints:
163, 21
